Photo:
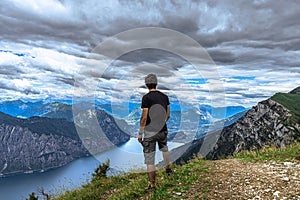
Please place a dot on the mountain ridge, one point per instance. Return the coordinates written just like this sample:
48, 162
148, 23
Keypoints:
39, 143
269, 123
266, 124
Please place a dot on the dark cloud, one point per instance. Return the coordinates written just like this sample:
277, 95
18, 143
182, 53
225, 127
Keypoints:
185, 24
24, 25
30, 91
160, 70
211, 23
13, 87
9, 70
154, 56
255, 96
221, 56
184, 17
69, 81
7, 86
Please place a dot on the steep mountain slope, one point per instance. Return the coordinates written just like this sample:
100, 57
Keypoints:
23, 151
274, 121
92, 134
39, 143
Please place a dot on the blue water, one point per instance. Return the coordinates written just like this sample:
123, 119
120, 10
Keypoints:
125, 158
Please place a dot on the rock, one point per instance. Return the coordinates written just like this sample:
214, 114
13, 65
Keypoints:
276, 194
285, 179
288, 164
267, 190
178, 193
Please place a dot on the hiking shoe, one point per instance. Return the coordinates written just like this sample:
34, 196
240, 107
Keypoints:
169, 171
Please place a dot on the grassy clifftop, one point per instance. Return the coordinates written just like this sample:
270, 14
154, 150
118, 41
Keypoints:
271, 173
291, 101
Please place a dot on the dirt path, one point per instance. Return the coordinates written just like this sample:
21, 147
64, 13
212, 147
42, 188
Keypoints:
237, 179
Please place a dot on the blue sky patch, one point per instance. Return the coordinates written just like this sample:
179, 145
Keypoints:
243, 77
17, 54
195, 81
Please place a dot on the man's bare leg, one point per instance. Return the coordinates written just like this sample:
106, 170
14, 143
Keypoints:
151, 174
166, 156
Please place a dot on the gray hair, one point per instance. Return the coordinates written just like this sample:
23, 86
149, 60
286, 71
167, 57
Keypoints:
151, 79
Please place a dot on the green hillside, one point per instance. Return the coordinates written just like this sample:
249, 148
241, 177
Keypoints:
202, 179
291, 101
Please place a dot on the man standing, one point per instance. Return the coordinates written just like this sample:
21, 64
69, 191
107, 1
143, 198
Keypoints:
155, 113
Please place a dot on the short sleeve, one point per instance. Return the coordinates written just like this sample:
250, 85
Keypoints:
145, 102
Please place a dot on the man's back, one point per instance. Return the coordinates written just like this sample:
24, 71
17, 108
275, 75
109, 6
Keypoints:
157, 103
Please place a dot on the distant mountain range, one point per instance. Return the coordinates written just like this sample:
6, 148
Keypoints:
128, 117
272, 122
36, 136
19, 108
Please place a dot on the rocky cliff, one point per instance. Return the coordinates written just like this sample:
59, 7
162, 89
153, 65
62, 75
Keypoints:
23, 151
39, 143
107, 131
273, 122
268, 123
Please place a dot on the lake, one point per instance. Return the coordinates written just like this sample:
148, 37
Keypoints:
124, 158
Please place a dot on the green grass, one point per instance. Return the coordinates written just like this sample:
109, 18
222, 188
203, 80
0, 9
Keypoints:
95, 190
288, 153
291, 102
132, 185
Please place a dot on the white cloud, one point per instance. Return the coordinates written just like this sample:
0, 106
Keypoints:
258, 39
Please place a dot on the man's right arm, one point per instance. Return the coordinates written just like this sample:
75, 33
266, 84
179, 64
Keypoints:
168, 113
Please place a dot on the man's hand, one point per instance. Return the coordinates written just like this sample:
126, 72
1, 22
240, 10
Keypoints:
140, 139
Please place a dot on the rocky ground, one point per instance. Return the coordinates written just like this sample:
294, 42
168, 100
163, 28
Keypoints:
237, 179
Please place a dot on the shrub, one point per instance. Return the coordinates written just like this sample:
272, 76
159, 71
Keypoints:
32, 197
101, 171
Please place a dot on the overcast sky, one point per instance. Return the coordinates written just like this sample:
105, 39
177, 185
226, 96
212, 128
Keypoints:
48, 46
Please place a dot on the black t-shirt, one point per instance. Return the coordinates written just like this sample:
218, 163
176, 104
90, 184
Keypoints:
157, 103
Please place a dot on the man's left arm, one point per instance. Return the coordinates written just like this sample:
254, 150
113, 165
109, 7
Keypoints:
143, 122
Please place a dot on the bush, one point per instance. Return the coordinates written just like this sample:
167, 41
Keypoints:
101, 171
32, 197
